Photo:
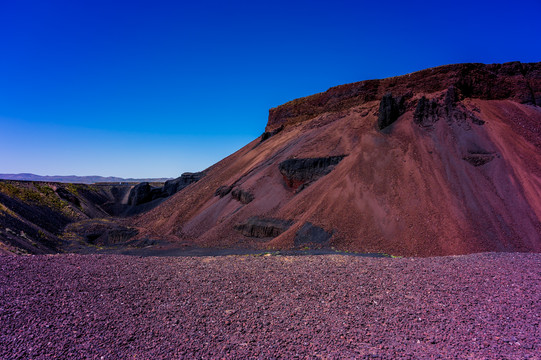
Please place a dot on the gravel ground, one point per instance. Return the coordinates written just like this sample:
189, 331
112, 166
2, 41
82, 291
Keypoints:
111, 307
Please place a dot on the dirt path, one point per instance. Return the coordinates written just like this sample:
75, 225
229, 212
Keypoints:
112, 306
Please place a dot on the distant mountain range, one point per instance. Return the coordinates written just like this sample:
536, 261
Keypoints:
75, 179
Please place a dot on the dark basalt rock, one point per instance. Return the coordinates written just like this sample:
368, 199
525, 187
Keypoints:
242, 195
452, 96
223, 191
140, 194
456, 111
173, 186
479, 158
263, 227
390, 110
309, 234
267, 134
428, 112
300, 172
143, 193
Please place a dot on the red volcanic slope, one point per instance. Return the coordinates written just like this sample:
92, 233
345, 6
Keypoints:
458, 170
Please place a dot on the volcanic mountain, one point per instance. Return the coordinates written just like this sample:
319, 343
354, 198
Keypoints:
438, 162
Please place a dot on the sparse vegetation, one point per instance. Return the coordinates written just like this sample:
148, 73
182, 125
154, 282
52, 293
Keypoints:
21, 193
39, 194
72, 188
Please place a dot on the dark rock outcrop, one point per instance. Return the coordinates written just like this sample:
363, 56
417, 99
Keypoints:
428, 112
236, 193
223, 191
311, 235
456, 111
390, 109
300, 172
171, 187
268, 134
263, 227
143, 193
242, 195
479, 158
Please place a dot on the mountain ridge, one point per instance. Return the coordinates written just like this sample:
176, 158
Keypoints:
443, 161
91, 179
512, 80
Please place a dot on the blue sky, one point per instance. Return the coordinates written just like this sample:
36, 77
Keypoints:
156, 88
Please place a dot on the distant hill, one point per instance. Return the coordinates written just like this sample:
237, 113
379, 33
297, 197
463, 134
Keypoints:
75, 179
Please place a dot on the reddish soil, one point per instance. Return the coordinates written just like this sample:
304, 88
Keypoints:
483, 306
458, 184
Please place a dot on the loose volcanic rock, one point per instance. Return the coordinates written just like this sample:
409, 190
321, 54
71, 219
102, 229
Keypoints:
483, 306
263, 227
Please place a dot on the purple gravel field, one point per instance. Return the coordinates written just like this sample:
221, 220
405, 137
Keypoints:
482, 306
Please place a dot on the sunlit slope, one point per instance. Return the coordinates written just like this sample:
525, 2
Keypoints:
444, 161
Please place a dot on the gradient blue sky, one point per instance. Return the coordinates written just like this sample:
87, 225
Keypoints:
156, 88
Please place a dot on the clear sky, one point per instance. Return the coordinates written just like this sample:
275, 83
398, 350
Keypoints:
156, 88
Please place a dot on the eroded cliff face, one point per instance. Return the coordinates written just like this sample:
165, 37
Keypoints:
442, 161
510, 81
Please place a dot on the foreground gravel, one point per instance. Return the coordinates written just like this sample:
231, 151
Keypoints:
111, 307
